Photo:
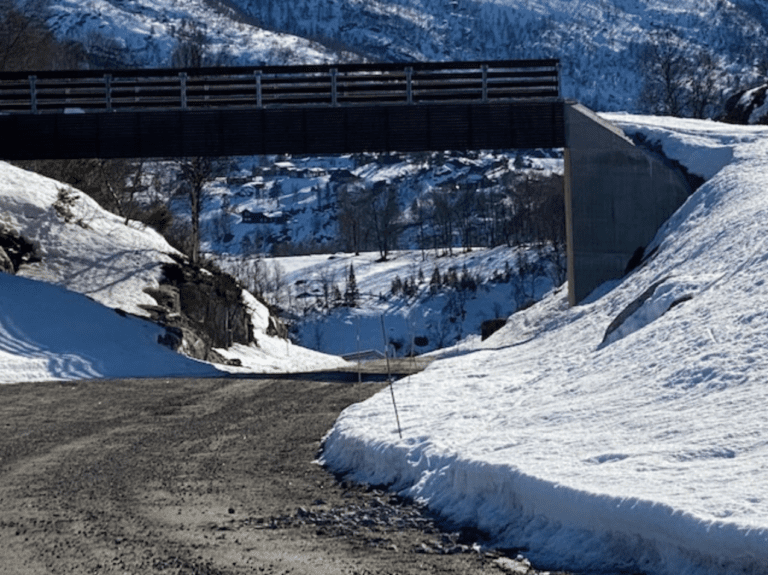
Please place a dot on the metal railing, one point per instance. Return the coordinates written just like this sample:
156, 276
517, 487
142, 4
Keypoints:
82, 91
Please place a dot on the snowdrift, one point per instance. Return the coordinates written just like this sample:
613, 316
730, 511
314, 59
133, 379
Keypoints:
49, 333
643, 451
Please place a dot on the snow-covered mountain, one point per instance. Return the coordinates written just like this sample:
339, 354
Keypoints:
145, 33
602, 44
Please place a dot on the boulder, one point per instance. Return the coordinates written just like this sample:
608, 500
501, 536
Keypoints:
747, 107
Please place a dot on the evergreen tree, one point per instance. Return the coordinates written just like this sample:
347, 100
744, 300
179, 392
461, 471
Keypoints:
351, 294
435, 281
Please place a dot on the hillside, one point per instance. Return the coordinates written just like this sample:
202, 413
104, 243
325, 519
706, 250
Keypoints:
93, 261
620, 435
605, 47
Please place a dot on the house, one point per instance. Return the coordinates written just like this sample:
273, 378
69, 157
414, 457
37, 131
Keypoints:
249, 217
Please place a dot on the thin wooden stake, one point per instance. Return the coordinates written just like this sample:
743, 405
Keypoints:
389, 376
359, 366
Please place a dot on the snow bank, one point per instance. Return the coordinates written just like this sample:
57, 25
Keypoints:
50, 333
644, 452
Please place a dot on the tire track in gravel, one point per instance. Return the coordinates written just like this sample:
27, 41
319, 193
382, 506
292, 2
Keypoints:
212, 476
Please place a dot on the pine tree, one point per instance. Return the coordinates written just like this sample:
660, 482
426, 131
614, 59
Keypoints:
435, 281
351, 294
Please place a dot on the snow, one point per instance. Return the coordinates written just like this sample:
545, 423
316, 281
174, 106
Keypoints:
93, 261
437, 320
145, 32
49, 333
644, 452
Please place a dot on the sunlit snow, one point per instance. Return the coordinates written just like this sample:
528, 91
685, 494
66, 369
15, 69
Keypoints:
646, 452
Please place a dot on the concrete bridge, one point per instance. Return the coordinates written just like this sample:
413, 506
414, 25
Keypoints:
617, 195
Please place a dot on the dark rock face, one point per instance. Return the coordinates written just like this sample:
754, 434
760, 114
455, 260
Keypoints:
201, 309
747, 107
6, 266
491, 326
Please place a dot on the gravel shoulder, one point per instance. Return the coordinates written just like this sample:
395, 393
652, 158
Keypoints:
212, 476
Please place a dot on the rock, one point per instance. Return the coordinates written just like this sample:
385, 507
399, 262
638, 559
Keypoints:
490, 326
513, 566
173, 338
6, 265
17, 250
747, 107
276, 328
166, 297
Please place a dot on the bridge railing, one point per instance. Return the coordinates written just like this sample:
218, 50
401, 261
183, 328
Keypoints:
331, 85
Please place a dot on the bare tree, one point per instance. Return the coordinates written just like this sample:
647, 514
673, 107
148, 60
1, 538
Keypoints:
351, 212
383, 216
191, 46
704, 93
444, 218
194, 175
27, 44
666, 72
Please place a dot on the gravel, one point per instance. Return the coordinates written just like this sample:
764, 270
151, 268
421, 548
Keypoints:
208, 477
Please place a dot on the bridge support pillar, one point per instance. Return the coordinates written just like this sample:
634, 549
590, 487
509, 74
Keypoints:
616, 197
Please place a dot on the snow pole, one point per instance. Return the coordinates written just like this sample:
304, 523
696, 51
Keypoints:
389, 375
359, 367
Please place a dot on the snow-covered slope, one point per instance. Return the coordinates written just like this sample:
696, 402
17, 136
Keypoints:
82, 247
50, 333
47, 332
600, 44
145, 33
428, 317
642, 452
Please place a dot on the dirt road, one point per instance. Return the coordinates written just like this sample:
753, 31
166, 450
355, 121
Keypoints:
201, 477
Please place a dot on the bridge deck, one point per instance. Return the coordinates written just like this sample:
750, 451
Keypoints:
294, 109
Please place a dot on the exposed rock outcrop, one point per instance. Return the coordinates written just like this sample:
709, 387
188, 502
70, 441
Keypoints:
15, 251
747, 107
6, 266
201, 309
491, 326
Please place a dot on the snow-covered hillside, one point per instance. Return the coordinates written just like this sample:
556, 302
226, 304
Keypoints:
51, 332
282, 204
601, 44
145, 33
642, 450
443, 300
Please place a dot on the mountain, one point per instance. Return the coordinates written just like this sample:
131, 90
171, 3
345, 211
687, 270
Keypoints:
605, 46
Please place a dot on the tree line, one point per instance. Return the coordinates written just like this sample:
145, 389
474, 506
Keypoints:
522, 207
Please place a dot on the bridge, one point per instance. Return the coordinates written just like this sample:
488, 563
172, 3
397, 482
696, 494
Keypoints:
616, 195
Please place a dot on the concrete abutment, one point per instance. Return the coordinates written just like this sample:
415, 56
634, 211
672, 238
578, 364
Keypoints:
617, 196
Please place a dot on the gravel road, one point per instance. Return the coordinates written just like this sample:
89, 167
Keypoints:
203, 477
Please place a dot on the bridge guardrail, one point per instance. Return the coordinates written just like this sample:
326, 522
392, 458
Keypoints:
273, 86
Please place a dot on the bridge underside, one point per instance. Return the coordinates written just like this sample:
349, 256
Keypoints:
295, 130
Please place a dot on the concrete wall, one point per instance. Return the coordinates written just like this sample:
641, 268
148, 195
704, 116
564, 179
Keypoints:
616, 198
